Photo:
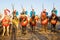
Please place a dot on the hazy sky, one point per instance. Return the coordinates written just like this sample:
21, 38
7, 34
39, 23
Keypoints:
36, 4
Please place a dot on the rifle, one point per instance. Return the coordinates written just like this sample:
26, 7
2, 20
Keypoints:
42, 6
13, 10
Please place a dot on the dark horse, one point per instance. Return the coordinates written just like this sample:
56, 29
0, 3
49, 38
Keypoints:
53, 20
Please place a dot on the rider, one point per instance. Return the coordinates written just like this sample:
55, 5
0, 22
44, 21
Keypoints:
54, 10
32, 12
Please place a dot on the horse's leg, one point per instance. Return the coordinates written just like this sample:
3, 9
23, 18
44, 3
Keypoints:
42, 28
3, 30
54, 27
46, 28
51, 27
8, 30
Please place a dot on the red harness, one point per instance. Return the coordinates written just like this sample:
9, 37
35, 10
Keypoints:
44, 22
53, 21
36, 18
24, 21
5, 22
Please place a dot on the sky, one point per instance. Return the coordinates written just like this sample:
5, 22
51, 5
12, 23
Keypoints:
36, 4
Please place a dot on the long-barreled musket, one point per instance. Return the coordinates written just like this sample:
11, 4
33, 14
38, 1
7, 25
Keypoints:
53, 5
22, 6
13, 10
12, 7
42, 7
31, 7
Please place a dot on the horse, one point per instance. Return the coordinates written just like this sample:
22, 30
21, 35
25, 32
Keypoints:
23, 22
53, 21
44, 21
6, 24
